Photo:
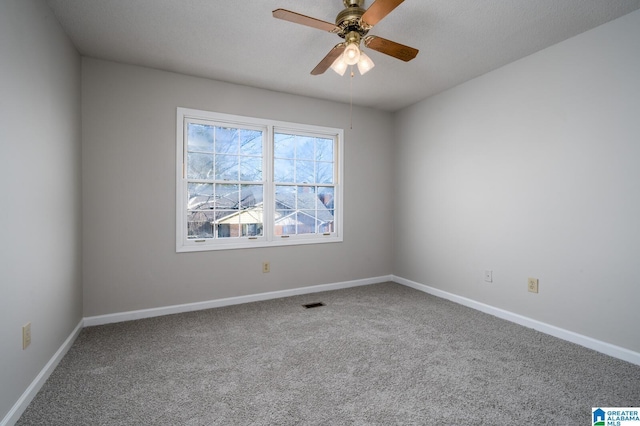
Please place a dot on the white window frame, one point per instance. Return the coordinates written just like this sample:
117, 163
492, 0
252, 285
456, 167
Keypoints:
270, 127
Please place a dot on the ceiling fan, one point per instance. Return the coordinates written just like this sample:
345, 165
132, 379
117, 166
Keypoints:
352, 24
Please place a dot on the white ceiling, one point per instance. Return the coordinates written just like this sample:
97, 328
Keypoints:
240, 42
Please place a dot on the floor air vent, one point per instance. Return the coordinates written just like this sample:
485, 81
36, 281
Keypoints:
313, 305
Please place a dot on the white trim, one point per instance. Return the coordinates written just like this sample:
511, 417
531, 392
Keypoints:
217, 303
27, 396
579, 339
268, 127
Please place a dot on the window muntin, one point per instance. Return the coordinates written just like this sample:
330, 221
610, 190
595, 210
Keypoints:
304, 174
225, 190
245, 182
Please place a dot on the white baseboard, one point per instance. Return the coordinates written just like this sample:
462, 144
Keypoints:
570, 336
606, 348
188, 307
27, 396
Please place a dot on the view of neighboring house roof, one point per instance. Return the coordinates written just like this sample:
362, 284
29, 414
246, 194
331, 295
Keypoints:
305, 201
228, 201
244, 208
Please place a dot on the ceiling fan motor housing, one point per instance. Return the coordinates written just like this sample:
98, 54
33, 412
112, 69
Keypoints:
349, 3
348, 20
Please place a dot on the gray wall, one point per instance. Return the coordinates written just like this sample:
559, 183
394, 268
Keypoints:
128, 193
532, 171
40, 181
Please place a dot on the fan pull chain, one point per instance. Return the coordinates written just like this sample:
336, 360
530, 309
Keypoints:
351, 100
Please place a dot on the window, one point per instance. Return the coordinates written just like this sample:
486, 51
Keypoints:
245, 182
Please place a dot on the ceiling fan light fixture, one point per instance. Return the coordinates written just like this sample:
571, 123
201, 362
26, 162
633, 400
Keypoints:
365, 63
339, 65
351, 54
352, 25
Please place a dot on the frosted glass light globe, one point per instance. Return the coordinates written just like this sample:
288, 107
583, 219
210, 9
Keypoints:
352, 54
339, 65
365, 63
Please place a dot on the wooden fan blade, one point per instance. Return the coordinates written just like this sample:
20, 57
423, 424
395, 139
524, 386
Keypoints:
329, 59
378, 10
298, 18
391, 48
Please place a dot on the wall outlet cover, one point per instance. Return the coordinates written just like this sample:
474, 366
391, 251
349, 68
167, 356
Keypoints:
26, 335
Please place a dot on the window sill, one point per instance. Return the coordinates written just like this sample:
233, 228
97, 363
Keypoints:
211, 245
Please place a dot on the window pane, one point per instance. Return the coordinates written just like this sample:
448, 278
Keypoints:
224, 230
306, 222
324, 149
227, 196
283, 170
307, 198
325, 227
200, 196
199, 166
305, 148
284, 219
226, 140
251, 168
286, 225
303, 210
324, 173
325, 214
251, 142
325, 197
251, 196
252, 230
199, 225
224, 210
228, 223
305, 172
285, 197
284, 145
200, 137
227, 167
251, 222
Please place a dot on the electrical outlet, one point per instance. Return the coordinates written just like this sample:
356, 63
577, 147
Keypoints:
532, 285
488, 276
266, 267
26, 335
